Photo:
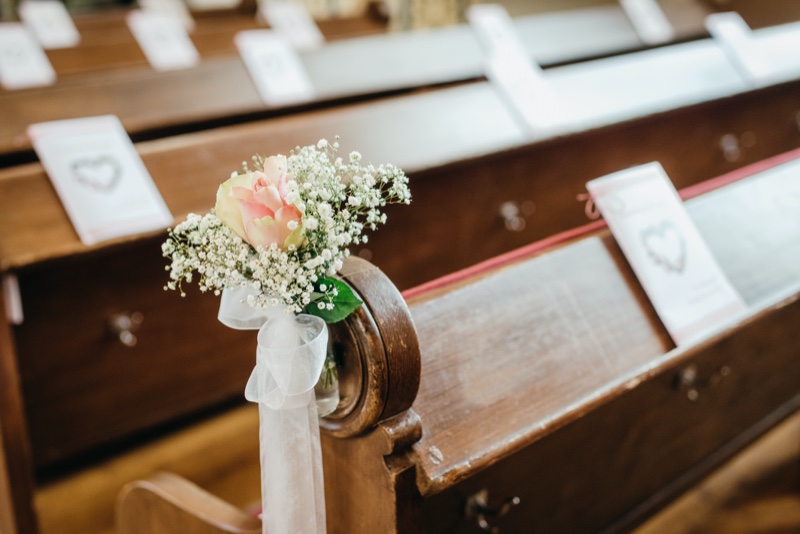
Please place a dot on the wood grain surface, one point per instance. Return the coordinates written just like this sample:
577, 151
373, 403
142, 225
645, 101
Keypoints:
16, 476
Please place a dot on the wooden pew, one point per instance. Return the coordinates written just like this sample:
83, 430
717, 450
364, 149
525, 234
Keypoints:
107, 43
219, 90
545, 376
673, 77
220, 86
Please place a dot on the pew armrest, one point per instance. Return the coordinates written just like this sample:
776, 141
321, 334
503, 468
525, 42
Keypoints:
377, 354
166, 503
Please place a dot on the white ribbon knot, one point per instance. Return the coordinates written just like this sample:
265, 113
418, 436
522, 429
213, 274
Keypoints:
289, 360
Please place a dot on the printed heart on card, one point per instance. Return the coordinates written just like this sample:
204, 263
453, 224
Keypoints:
12, 53
665, 246
102, 173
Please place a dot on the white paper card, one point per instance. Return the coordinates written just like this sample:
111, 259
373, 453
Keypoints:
515, 75
649, 21
100, 178
13, 300
737, 40
163, 39
275, 67
293, 21
175, 8
50, 23
212, 5
23, 63
494, 28
523, 86
685, 284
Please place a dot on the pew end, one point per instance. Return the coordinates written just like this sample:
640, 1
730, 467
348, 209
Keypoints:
166, 503
377, 354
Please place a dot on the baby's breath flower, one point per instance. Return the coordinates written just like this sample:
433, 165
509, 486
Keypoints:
338, 199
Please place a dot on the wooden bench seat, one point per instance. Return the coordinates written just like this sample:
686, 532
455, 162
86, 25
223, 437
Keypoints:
546, 376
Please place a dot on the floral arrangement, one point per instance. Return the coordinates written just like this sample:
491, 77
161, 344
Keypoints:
283, 228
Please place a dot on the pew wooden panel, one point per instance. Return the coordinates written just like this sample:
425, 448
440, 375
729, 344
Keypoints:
755, 492
545, 375
760, 14
16, 478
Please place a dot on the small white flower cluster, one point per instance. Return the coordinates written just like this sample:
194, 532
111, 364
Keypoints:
339, 200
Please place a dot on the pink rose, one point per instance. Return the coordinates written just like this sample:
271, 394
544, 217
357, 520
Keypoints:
254, 206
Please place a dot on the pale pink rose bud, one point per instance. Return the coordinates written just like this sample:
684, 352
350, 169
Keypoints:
254, 206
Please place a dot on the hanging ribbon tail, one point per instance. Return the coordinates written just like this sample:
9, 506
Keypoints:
289, 360
292, 488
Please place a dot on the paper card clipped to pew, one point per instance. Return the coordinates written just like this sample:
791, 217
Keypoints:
50, 22
275, 67
212, 5
761, 61
514, 73
163, 39
23, 63
293, 21
683, 280
649, 21
101, 180
174, 8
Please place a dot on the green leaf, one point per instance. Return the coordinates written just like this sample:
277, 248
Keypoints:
344, 303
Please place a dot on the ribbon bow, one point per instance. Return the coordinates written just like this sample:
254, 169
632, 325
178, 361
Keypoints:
291, 350
289, 360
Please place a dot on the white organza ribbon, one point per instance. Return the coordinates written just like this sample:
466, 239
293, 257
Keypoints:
289, 360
